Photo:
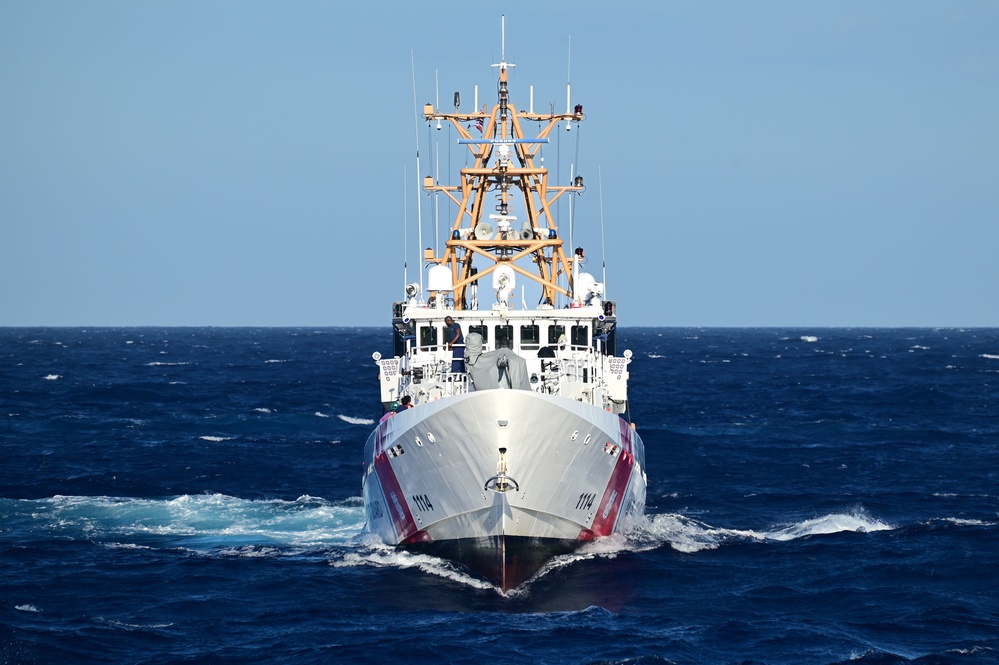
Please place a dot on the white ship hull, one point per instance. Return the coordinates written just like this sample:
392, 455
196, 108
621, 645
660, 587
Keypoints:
501, 480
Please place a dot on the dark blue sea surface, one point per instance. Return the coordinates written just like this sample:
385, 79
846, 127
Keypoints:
188, 495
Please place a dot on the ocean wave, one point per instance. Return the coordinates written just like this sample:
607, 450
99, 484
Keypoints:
960, 521
835, 523
125, 546
132, 626
215, 439
249, 552
990, 356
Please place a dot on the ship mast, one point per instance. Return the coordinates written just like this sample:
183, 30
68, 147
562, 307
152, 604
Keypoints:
503, 173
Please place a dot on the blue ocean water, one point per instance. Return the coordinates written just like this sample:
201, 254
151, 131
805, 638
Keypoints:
192, 496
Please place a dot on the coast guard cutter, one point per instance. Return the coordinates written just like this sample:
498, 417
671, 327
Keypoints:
520, 450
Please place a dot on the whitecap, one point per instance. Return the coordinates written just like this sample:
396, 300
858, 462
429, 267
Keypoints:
125, 546
958, 521
52, 377
827, 524
975, 650
132, 626
261, 409
26, 608
276, 361
215, 439
320, 414
355, 421
990, 356
809, 338
157, 363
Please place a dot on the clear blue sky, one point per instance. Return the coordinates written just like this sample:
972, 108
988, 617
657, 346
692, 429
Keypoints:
762, 163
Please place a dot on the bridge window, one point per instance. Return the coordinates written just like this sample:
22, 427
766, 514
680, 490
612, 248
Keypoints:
504, 337
554, 333
428, 336
482, 330
580, 336
530, 336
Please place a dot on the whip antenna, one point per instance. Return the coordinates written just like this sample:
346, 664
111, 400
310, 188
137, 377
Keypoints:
437, 162
603, 251
405, 225
568, 74
416, 135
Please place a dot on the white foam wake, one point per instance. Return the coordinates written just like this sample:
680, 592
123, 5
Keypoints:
373, 553
685, 534
220, 525
202, 522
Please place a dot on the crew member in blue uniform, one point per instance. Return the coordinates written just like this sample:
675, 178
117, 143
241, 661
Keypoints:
456, 342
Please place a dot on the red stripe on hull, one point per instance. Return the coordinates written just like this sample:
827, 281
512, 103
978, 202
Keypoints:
610, 504
395, 500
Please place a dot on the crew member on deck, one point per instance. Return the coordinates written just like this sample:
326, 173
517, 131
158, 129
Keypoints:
456, 342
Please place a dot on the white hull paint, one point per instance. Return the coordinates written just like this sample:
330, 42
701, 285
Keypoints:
433, 473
